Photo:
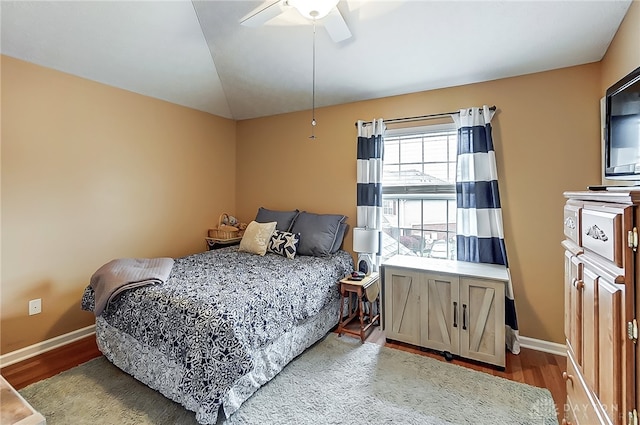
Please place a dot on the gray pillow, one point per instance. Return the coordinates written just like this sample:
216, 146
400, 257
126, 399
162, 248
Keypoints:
283, 218
339, 237
318, 232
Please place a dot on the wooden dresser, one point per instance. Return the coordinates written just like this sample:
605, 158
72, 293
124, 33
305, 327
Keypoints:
601, 258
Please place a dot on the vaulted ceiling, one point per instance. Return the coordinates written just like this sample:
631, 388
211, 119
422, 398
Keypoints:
197, 54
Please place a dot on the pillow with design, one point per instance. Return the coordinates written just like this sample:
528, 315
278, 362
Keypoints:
284, 218
284, 243
256, 237
318, 232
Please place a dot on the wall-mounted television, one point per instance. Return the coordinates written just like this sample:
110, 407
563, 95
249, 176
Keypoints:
622, 129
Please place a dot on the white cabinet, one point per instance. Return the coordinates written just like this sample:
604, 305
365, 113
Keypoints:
454, 307
402, 316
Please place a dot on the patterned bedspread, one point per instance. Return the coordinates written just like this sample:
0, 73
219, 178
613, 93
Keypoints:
217, 309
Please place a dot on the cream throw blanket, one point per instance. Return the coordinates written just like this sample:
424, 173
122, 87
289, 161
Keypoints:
119, 275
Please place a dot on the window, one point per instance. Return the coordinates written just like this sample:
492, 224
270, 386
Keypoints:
418, 191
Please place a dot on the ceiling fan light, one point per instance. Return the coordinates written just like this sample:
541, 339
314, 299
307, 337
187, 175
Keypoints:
313, 9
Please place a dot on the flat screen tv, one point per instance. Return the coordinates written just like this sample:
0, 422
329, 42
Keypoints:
622, 129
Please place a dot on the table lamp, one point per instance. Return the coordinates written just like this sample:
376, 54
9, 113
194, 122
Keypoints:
365, 243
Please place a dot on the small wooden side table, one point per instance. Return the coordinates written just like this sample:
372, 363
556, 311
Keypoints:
215, 243
358, 287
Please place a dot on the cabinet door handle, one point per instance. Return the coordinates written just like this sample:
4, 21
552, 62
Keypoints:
567, 377
455, 314
578, 284
464, 317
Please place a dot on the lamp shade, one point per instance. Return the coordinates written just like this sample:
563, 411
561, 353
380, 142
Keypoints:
314, 9
365, 240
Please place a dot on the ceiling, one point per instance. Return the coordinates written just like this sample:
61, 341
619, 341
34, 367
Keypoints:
196, 53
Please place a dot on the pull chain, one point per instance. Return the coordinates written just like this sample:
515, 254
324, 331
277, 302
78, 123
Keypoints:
313, 89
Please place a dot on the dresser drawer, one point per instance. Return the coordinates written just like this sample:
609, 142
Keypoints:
572, 223
601, 232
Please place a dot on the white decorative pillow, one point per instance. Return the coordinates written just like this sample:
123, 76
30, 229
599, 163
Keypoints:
284, 243
256, 237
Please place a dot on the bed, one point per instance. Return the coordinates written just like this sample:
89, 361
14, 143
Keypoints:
223, 323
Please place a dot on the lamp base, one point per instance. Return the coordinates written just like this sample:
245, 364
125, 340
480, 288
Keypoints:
365, 263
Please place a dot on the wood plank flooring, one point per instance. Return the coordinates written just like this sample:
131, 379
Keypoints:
45, 365
529, 367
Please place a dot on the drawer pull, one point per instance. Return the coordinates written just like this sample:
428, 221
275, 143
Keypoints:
578, 284
464, 317
632, 239
565, 422
632, 330
567, 377
455, 314
570, 223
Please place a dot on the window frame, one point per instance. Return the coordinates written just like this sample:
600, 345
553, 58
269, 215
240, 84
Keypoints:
426, 192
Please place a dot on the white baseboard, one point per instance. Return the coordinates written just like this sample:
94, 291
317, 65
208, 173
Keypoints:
44, 346
545, 346
59, 341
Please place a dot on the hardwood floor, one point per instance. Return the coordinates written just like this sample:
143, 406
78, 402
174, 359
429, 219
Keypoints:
45, 365
529, 367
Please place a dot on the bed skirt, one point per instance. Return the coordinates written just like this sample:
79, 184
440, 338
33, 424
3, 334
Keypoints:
154, 369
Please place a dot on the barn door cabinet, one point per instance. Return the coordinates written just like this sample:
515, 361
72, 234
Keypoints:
454, 307
600, 307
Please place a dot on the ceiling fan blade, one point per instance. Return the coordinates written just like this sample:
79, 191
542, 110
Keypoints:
255, 19
336, 26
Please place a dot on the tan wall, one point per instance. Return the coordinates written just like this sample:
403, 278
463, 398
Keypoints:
622, 57
623, 54
91, 173
546, 123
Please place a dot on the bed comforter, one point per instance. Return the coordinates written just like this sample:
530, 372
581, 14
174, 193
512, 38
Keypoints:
213, 319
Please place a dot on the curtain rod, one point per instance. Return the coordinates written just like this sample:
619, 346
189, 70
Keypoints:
420, 117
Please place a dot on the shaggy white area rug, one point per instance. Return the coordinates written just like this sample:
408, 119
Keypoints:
337, 381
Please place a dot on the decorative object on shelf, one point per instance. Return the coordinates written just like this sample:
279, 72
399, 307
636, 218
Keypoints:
229, 220
365, 243
228, 228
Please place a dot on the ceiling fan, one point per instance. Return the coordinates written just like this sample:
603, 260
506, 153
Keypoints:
311, 9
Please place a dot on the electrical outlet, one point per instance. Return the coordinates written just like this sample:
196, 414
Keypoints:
35, 307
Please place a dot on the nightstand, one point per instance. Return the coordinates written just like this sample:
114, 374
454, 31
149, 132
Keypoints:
215, 243
366, 290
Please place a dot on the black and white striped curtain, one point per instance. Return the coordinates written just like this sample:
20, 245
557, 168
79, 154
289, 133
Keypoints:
369, 178
480, 235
